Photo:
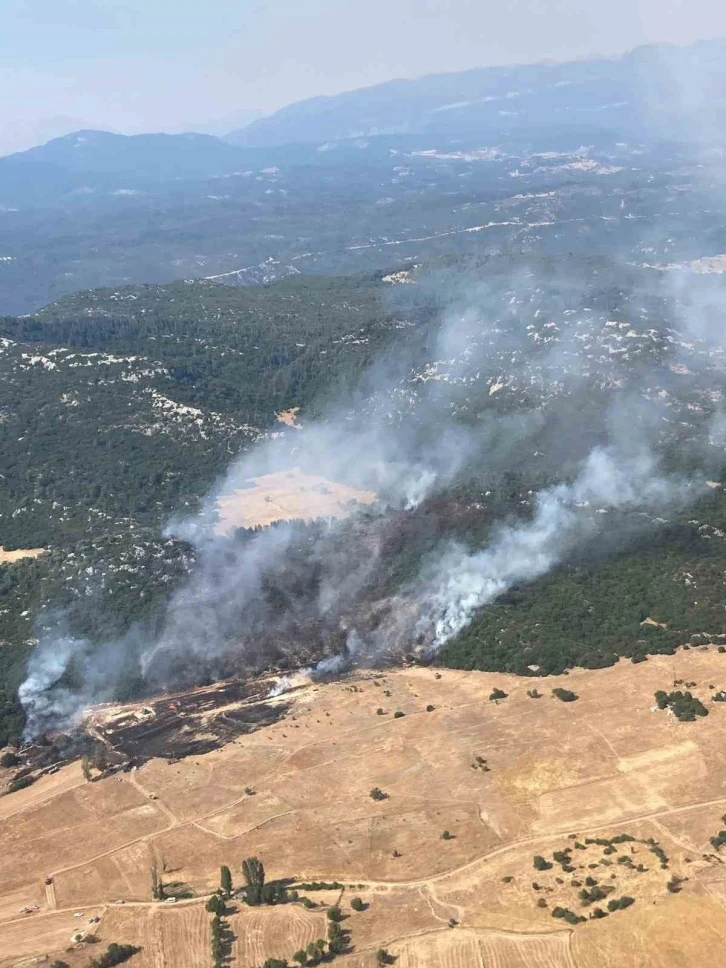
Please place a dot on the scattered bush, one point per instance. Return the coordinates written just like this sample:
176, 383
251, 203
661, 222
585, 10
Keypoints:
115, 954
378, 794
620, 903
430, 709
540, 864
565, 695
357, 904
497, 694
398, 714
567, 915
321, 886
20, 782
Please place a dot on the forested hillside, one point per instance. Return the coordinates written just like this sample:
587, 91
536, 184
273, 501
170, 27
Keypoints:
122, 407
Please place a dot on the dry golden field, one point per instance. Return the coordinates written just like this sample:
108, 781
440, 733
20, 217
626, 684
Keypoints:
559, 777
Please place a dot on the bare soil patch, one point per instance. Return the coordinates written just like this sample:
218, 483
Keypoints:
8, 557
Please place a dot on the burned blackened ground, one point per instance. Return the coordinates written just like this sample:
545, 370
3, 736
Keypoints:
187, 724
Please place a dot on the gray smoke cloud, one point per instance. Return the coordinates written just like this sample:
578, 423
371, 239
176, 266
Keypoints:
523, 374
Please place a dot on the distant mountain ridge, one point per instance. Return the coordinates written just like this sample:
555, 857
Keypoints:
188, 155
654, 88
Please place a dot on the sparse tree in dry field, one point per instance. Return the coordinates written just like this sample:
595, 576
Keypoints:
86, 766
157, 886
100, 758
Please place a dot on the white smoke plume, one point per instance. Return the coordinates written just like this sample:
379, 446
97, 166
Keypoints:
564, 516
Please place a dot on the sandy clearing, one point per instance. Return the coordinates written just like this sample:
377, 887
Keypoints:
289, 417
286, 496
8, 557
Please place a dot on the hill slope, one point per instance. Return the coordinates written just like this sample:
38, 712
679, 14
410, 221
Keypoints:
650, 91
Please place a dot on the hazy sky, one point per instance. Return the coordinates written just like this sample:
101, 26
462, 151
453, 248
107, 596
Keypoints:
140, 65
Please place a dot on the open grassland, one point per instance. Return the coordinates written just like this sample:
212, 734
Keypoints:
616, 797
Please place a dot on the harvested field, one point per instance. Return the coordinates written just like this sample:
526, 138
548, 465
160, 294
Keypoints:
273, 933
464, 949
287, 496
615, 797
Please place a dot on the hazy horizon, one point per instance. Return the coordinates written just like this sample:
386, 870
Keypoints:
127, 66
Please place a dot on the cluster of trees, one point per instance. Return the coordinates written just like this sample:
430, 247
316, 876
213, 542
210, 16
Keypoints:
565, 695
115, 954
684, 705
620, 903
597, 892
567, 915
720, 839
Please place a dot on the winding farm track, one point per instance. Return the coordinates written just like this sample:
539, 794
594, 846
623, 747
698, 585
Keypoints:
425, 884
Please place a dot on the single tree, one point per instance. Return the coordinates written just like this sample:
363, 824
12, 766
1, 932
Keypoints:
100, 758
86, 766
156, 889
300, 957
225, 879
215, 905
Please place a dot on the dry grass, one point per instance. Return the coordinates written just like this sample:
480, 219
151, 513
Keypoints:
606, 764
286, 496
